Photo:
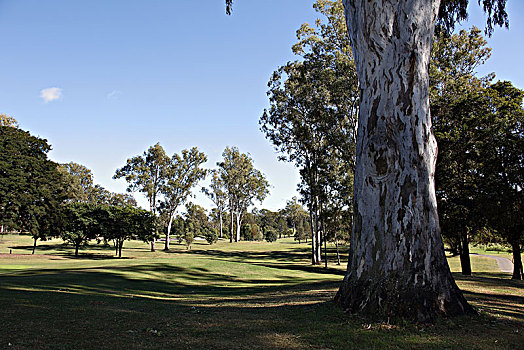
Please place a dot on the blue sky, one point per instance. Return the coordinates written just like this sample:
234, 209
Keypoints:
128, 74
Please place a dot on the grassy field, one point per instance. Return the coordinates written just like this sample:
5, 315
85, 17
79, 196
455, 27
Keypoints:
225, 296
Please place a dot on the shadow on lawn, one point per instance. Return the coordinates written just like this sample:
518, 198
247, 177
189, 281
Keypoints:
297, 259
167, 306
495, 302
64, 250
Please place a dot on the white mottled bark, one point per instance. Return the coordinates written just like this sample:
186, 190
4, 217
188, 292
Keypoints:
397, 265
168, 233
239, 222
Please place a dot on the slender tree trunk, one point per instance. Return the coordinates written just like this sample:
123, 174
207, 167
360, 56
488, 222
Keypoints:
220, 219
518, 274
465, 261
239, 220
397, 267
318, 235
231, 234
323, 230
76, 248
34, 244
338, 253
325, 251
313, 236
152, 202
120, 245
168, 233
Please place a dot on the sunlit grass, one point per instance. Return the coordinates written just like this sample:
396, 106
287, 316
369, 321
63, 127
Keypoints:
225, 296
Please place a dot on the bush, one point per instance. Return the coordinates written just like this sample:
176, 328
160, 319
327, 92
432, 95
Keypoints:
210, 234
271, 235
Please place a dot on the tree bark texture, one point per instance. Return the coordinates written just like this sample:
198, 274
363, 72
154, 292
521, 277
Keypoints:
397, 267
34, 245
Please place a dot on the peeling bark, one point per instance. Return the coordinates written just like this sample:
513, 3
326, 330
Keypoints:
397, 267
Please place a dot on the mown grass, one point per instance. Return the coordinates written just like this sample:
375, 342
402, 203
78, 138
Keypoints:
225, 296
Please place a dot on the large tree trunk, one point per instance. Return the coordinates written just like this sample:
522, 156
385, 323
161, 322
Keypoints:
397, 267
518, 274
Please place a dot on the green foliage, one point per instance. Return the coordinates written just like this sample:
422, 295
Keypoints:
271, 235
302, 230
121, 223
31, 188
82, 223
7, 120
242, 183
457, 113
197, 224
210, 234
453, 11
80, 183
182, 173
146, 174
313, 113
479, 176
216, 193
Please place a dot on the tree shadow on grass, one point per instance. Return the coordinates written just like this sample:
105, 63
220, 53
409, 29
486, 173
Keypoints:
66, 251
165, 306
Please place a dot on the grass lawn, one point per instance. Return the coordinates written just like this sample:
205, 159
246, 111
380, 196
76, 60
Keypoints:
225, 296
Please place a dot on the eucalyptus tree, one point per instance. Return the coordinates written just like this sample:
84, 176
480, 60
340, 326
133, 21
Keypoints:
147, 174
313, 110
396, 263
182, 173
242, 184
216, 193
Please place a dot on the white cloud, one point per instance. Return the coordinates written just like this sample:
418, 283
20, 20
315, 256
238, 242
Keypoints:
114, 95
50, 94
